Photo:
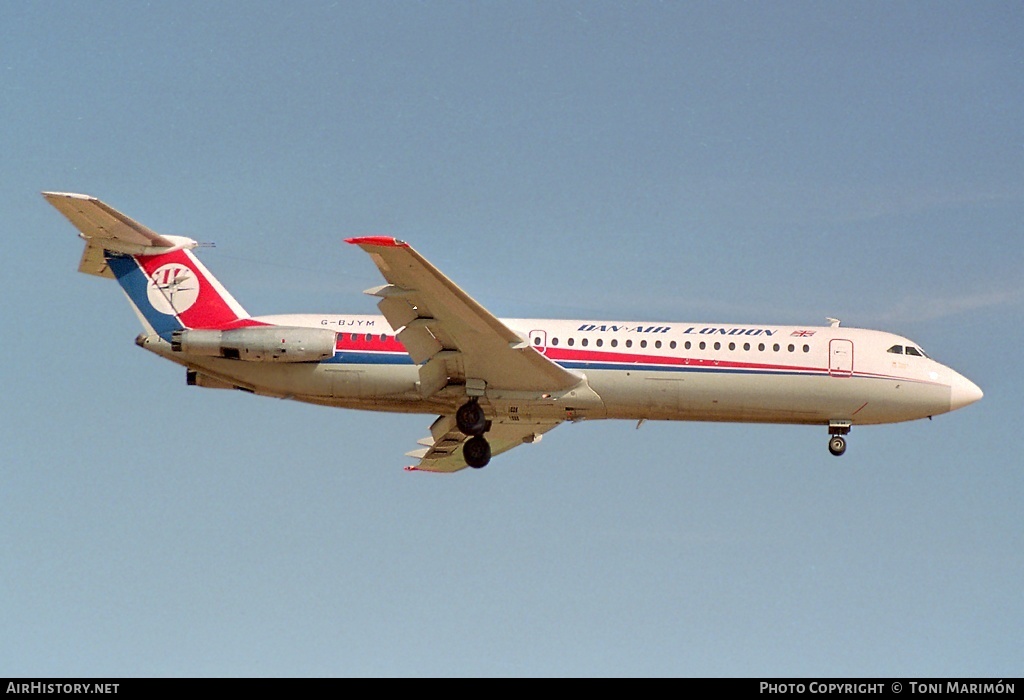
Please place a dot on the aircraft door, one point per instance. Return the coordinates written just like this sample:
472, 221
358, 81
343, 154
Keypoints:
840, 358
345, 384
663, 396
539, 341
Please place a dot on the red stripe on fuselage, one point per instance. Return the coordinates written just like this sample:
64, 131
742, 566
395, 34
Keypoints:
368, 341
574, 355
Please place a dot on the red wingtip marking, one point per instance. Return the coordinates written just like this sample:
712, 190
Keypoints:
410, 469
385, 241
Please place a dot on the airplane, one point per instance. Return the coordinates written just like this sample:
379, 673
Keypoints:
496, 383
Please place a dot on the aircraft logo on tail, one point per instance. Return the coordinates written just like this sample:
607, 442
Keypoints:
172, 289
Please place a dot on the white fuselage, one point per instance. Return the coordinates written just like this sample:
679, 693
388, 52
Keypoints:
628, 370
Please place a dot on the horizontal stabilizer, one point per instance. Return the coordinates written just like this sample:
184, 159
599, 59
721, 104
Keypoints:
104, 228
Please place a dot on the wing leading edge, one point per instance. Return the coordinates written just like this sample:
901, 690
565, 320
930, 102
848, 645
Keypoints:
456, 341
448, 333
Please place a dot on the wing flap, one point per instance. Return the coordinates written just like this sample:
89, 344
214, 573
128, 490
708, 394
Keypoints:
444, 454
419, 342
397, 311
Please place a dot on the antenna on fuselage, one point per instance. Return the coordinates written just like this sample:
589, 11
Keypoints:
834, 322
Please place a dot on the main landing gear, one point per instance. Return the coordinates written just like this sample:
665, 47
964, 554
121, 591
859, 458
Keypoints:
471, 420
837, 429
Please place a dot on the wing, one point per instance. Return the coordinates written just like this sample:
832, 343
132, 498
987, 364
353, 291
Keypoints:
443, 453
454, 338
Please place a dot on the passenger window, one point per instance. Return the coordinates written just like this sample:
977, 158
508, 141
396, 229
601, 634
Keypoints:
629, 343
355, 337
383, 337
643, 343
369, 337
599, 342
760, 346
807, 348
554, 341
584, 342
791, 347
571, 341
718, 346
672, 345
615, 343
703, 345
732, 346
657, 343
687, 346
775, 347
746, 346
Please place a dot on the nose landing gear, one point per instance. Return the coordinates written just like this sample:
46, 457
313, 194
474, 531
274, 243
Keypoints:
837, 429
837, 445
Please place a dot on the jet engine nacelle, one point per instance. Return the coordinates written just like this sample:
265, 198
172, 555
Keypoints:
270, 344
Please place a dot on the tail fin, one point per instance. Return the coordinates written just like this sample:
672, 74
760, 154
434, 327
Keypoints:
168, 286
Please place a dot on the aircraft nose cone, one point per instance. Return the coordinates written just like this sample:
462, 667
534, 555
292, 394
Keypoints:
963, 392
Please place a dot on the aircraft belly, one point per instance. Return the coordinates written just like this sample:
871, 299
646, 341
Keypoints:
764, 398
892, 401
285, 380
371, 381
322, 381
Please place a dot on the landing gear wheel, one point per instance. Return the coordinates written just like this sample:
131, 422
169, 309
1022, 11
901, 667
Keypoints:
837, 445
470, 418
477, 452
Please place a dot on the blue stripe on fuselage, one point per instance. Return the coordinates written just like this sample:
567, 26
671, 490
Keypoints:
356, 357
577, 364
581, 365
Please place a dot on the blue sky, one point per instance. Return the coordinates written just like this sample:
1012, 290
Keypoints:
731, 162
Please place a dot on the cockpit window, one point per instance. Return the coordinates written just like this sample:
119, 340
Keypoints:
908, 350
